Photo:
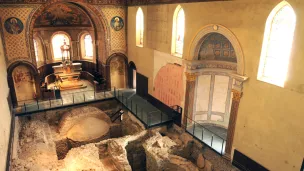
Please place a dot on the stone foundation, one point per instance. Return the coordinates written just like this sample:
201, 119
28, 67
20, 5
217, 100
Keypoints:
41, 146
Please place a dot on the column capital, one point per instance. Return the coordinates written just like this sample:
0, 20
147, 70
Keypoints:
191, 76
237, 95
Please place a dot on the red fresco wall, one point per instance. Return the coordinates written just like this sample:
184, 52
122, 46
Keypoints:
168, 85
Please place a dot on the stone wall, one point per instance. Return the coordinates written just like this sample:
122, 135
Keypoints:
70, 118
130, 124
174, 149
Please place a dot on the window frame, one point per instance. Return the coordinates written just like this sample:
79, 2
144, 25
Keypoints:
84, 46
175, 32
140, 27
69, 43
266, 44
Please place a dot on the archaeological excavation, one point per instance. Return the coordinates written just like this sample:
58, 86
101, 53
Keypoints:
87, 138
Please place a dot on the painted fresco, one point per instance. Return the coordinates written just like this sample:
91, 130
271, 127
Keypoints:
117, 23
117, 72
63, 15
217, 47
24, 83
168, 85
13, 25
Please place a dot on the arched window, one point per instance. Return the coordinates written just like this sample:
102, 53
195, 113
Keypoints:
36, 49
277, 44
178, 31
139, 27
88, 46
57, 41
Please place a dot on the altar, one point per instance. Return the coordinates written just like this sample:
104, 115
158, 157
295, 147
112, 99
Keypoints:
68, 75
67, 72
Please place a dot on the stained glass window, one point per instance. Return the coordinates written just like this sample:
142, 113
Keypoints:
57, 41
139, 27
36, 49
88, 46
277, 45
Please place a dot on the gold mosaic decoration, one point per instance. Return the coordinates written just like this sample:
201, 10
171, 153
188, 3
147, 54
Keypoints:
118, 38
15, 44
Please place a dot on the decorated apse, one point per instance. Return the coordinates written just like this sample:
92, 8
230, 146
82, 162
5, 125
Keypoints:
22, 25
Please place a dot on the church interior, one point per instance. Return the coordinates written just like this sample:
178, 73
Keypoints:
151, 85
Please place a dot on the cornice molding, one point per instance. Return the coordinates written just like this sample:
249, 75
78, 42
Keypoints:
92, 2
157, 2
112, 2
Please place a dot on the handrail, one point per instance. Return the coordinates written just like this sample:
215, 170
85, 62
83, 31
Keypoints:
119, 112
216, 148
40, 105
151, 117
205, 128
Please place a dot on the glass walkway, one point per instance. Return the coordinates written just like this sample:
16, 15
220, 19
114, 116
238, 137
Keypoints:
148, 114
142, 109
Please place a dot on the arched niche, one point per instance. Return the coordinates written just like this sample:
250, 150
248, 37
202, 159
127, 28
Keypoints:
23, 77
132, 70
117, 71
203, 34
98, 21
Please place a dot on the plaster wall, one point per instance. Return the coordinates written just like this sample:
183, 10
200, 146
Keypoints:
5, 120
265, 130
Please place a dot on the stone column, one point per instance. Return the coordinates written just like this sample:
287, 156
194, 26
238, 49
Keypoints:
232, 121
74, 50
48, 53
189, 96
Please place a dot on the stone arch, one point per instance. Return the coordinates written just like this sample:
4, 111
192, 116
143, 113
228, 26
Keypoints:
41, 42
98, 20
117, 56
205, 31
10, 79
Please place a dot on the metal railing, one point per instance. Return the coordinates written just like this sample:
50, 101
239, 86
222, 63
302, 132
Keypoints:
205, 135
64, 100
148, 114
